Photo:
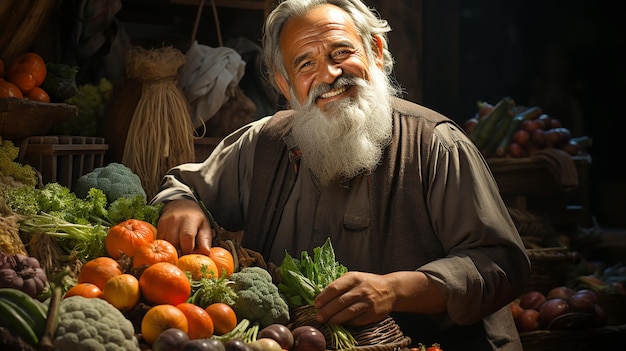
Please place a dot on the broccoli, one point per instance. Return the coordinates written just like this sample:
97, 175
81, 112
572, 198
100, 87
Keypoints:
93, 324
115, 180
258, 299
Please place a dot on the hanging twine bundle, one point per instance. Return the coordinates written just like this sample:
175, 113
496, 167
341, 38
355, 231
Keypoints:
160, 134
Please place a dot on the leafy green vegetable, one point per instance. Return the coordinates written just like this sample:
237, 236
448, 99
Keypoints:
133, 207
211, 290
80, 225
92, 101
20, 173
302, 280
86, 240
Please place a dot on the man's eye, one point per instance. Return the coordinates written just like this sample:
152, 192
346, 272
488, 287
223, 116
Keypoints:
341, 54
305, 66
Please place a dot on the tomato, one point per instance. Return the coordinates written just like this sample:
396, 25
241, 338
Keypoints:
434, 347
30, 63
9, 90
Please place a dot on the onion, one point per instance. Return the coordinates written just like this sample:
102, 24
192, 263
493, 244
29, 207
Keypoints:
551, 309
532, 300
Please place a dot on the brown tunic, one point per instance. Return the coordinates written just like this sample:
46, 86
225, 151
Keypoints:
432, 205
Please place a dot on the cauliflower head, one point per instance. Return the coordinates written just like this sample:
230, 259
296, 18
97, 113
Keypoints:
115, 180
93, 324
258, 299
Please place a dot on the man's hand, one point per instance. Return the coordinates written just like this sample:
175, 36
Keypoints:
355, 298
184, 224
358, 298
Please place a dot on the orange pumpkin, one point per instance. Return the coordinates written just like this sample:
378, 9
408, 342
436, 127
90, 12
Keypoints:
128, 236
223, 260
158, 250
99, 270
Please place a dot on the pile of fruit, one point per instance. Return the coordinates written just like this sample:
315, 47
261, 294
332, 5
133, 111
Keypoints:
23, 78
509, 130
30, 77
562, 308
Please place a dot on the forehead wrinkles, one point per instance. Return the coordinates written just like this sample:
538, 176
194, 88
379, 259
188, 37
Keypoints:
319, 27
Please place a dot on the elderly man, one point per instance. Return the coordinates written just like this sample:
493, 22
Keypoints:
409, 203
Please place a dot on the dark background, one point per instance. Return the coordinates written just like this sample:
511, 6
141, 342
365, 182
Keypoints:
565, 56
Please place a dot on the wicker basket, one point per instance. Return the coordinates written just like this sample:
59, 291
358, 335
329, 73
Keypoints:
549, 267
383, 336
21, 118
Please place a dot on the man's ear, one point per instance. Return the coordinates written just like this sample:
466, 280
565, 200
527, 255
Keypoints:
283, 85
378, 50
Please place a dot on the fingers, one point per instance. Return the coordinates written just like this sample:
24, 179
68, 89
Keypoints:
353, 299
184, 224
203, 239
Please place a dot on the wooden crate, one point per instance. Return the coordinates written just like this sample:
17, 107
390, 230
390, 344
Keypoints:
63, 159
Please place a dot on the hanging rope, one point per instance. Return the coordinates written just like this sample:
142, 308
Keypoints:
217, 23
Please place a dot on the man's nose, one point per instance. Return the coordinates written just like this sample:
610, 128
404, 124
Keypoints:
329, 72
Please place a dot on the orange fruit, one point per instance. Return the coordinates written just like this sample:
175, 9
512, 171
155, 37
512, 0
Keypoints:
99, 270
223, 317
198, 265
198, 319
38, 94
160, 318
223, 260
164, 283
88, 290
122, 291
156, 251
25, 81
31, 63
126, 237
9, 90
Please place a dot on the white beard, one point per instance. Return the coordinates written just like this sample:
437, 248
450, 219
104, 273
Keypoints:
350, 136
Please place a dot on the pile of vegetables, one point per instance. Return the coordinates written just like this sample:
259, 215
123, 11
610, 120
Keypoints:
105, 225
80, 225
510, 130
60, 227
562, 308
12, 174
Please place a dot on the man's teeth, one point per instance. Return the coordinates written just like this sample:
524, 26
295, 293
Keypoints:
334, 92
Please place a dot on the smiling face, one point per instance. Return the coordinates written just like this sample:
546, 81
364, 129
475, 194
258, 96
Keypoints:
318, 48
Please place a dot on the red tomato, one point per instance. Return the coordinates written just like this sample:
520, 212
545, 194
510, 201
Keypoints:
434, 347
